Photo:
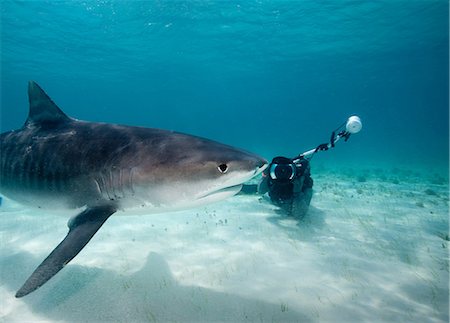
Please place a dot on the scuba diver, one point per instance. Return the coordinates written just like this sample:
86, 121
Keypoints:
288, 180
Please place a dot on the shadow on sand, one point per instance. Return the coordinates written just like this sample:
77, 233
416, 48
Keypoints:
83, 294
305, 228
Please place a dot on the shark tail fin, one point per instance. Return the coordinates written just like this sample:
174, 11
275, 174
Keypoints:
81, 229
43, 111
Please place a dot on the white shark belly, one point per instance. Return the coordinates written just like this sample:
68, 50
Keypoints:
134, 205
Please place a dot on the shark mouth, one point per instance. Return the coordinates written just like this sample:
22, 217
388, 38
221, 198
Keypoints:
234, 186
220, 194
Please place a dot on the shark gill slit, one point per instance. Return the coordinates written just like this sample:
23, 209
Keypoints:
115, 184
110, 184
127, 182
97, 185
113, 180
101, 184
122, 193
116, 174
107, 184
131, 183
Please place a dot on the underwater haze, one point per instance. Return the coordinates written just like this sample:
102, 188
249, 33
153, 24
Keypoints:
271, 77
276, 77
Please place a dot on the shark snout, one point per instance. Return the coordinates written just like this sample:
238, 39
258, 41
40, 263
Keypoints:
261, 165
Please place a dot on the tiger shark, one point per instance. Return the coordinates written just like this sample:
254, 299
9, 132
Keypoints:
58, 162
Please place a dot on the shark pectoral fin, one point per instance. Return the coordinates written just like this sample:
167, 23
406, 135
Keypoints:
81, 229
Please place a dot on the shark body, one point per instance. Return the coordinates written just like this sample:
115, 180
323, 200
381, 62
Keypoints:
57, 162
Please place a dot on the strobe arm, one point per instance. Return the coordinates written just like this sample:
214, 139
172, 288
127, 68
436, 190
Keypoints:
352, 126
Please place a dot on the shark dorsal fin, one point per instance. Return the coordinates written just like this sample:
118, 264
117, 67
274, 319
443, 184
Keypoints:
43, 111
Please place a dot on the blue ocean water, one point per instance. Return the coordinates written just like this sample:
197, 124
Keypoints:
274, 78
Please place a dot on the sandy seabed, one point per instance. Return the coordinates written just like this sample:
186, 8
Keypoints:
373, 247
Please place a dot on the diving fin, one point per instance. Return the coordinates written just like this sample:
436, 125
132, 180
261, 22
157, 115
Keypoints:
81, 229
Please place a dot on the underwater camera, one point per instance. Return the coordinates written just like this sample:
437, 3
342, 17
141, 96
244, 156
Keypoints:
282, 169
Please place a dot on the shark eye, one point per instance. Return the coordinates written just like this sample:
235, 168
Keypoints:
222, 168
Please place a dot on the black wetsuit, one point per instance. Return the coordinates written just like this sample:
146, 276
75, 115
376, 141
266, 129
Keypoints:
289, 185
